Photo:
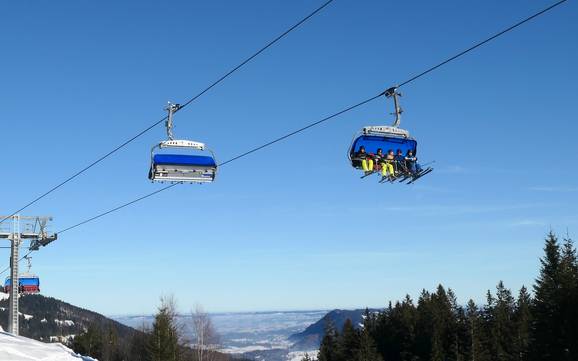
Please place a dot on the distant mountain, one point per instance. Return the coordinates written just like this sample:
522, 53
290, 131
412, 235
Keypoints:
48, 319
253, 335
311, 337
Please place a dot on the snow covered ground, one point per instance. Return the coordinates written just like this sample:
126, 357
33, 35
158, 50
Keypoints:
298, 355
18, 348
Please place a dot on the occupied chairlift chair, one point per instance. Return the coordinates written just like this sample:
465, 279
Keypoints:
28, 283
386, 137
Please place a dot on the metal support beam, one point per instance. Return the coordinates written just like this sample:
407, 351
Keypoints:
31, 229
13, 327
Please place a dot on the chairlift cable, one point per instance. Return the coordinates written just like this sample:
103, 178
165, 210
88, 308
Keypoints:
212, 85
475, 46
305, 127
117, 208
319, 121
301, 129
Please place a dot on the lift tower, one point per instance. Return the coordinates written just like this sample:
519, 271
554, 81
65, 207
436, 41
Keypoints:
32, 229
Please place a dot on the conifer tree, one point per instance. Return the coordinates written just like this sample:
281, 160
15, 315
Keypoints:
329, 343
503, 330
348, 343
458, 329
139, 346
488, 321
111, 347
367, 350
523, 319
403, 323
424, 326
475, 350
569, 297
546, 334
164, 339
89, 343
383, 334
442, 340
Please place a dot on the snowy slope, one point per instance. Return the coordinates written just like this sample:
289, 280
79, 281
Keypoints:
18, 348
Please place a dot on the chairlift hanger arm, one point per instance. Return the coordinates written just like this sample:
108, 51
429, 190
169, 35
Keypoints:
393, 93
171, 109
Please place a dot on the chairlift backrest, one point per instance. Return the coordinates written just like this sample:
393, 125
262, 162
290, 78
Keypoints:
374, 142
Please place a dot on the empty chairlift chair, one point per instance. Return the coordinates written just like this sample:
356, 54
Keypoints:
181, 160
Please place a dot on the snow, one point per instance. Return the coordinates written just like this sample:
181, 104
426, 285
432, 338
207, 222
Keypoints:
63, 339
298, 355
18, 348
239, 350
26, 317
4, 296
65, 322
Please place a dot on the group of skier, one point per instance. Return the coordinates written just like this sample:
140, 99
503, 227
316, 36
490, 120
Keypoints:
392, 165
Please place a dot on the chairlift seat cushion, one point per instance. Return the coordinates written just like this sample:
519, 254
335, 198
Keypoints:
184, 159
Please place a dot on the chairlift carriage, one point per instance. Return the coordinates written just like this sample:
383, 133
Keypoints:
387, 137
28, 283
181, 160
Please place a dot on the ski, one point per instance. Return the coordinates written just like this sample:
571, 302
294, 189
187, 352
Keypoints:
404, 177
427, 171
387, 179
368, 174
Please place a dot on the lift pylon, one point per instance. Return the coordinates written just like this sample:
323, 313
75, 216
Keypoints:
23, 229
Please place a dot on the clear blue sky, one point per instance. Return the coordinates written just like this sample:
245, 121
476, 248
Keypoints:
291, 227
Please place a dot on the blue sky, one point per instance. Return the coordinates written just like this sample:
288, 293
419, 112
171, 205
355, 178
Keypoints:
293, 226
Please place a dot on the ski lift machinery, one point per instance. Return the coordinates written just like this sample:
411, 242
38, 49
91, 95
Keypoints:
178, 161
386, 137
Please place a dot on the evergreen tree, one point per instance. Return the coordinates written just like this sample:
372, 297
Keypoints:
348, 342
504, 327
403, 321
458, 329
111, 349
547, 339
367, 350
475, 350
443, 341
138, 350
488, 337
569, 297
523, 319
383, 335
89, 343
306, 357
329, 343
164, 339
424, 326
